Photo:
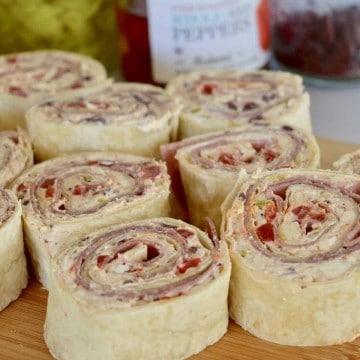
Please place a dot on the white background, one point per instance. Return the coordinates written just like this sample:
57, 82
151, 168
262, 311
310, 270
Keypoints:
336, 113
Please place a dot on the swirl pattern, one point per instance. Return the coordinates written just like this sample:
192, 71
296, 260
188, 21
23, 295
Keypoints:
47, 72
132, 118
213, 161
154, 278
299, 229
218, 100
77, 193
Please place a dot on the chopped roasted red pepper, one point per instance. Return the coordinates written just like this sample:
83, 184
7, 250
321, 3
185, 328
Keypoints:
188, 264
208, 89
270, 211
265, 232
226, 158
102, 260
269, 155
152, 252
16, 90
50, 191
48, 182
302, 211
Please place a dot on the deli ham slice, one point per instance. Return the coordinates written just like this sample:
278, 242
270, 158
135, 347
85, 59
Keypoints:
151, 289
74, 194
128, 117
215, 100
294, 238
28, 78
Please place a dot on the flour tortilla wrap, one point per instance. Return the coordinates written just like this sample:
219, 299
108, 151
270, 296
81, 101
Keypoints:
72, 195
294, 240
151, 289
209, 164
127, 117
31, 77
13, 271
16, 154
216, 100
349, 163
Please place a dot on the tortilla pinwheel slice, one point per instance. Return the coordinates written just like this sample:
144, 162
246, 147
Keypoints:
209, 164
349, 163
16, 154
151, 289
72, 195
127, 117
13, 270
294, 240
217, 100
28, 78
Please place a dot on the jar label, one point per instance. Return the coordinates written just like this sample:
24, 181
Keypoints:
190, 35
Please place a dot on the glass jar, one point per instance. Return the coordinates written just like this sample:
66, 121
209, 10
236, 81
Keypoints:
160, 39
87, 27
320, 39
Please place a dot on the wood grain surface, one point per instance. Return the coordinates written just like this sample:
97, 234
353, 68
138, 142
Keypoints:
21, 323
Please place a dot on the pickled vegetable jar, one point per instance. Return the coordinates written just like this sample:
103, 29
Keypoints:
318, 38
83, 26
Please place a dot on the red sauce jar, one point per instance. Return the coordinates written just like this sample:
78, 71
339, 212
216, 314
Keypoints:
320, 39
159, 40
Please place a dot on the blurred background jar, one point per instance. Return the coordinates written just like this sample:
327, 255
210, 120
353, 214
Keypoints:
87, 27
160, 39
320, 39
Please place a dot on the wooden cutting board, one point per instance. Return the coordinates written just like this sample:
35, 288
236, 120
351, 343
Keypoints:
21, 323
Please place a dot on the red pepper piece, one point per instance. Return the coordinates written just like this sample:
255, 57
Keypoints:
265, 232
270, 212
50, 191
208, 89
102, 260
16, 90
226, 158
188, 264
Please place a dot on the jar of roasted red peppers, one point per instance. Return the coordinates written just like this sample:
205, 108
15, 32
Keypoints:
318, 38
160, 39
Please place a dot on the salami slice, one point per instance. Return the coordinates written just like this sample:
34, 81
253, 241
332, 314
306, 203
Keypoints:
72, 195
213, 161
294, 238
13, 271
221, 99
151, 289
31, 77
132, 118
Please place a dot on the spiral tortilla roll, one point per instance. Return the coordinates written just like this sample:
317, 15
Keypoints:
152, 289
132, 118
13, 271
15, 154
294, 238
31, 77
349, 163
72, 195
221, 99
213, 161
